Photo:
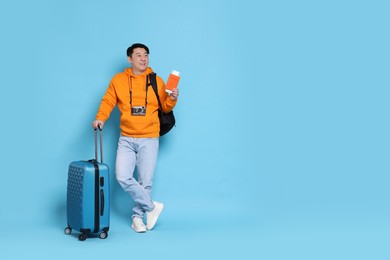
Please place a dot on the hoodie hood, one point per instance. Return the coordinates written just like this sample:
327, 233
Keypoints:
129, 71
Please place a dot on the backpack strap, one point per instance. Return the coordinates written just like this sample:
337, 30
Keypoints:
152, 77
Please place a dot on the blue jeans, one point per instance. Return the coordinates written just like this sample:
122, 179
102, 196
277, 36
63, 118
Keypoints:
140, 153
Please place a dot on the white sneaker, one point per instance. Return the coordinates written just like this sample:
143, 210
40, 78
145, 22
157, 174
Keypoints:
152, 216
138, 225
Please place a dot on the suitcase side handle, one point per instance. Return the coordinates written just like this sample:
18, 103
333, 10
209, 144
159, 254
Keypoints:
101, 144
101, 202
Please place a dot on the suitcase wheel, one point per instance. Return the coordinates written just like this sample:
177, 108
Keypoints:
103, 235
68, 230
82, 237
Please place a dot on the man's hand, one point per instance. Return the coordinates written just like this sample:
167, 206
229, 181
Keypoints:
97, 123
174, 94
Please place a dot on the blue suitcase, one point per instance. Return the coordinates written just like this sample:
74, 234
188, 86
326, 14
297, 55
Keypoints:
88, 192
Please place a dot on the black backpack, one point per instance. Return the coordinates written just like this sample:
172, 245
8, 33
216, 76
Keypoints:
167, 120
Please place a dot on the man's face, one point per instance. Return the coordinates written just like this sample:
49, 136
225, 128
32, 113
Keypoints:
139, 60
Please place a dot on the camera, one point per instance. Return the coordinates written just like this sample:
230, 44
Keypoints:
138, 111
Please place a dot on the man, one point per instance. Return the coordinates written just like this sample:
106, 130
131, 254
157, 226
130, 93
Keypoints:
139, 140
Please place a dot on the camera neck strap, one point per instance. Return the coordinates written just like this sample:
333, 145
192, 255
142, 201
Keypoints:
146, 91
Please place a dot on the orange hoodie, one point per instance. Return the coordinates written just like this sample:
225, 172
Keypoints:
118, 93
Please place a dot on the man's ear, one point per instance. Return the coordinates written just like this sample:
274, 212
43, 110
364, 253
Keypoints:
129, 59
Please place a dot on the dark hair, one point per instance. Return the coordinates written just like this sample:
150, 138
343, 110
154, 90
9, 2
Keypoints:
134, 46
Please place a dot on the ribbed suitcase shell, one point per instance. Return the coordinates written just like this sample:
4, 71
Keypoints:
86, 213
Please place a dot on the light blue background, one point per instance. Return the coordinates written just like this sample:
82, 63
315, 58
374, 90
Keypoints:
282, 141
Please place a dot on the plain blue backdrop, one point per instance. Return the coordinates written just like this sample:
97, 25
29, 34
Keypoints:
282, 140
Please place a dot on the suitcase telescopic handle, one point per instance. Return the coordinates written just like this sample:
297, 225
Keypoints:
101, 144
